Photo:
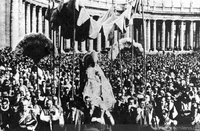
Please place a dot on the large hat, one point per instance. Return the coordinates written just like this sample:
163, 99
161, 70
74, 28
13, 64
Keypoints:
94, 54
86, 58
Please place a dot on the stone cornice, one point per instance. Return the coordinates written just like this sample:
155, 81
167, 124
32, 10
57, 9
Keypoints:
157, 16
98, 7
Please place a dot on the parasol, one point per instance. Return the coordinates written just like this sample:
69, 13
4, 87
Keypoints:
35, 45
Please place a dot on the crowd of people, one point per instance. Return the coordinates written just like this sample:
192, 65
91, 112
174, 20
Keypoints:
157, 91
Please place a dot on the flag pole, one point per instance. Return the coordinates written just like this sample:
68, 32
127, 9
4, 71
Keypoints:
132, 49
144, 41
59, 86
112, 42
144, 32
73, 56
120, 58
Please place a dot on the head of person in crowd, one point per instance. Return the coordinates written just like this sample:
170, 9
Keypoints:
34, 100
21, 81
165, 113
43, 84
25, 104
147, 99
163, 101
162, 93
87, 101
6, 83
169, 97
132, 103
5, 104
31, 89
185, 98
53, 90
49, 104
142, 104
55, 100
73, 105
48, 90
22, 91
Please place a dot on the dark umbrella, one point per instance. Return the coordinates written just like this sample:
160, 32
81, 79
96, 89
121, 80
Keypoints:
35, 45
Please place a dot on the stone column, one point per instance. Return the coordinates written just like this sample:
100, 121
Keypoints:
21, 19
55, 38
198, 43
83, 47
136, 35
181, 36
34, 26
154, 35
68, 44
191, 35
40, 25
62, 44
115, 36
168, 40
28, 18
7, 22
187, 35
172, 34
132, 29
76, 46
128, 31
91, 42
3, 24
148, 44
159, 43
46, 31
196, 36
163, 35
61, 41
177, 34
14, 23
99, 42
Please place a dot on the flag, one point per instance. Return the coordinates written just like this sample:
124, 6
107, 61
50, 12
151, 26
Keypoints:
95, 26
78, 3
102, 23
108, 29
108, 25
83, 17
138, 6
108, 14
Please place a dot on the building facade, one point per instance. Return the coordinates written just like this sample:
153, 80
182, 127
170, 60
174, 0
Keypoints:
168, 25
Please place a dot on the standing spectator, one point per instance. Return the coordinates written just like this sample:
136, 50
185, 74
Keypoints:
49, 116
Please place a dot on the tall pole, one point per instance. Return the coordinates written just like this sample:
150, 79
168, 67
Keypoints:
112, 42
59, 86
120, 60
73, 57
144, 41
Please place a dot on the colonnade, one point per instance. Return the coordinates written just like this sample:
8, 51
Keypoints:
166, 35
